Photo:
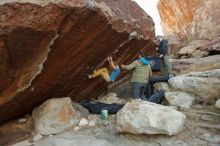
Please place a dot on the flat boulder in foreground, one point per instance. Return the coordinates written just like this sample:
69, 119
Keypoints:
140, 117
55, 115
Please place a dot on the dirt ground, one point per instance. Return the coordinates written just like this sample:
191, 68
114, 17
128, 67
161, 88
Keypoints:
202, 128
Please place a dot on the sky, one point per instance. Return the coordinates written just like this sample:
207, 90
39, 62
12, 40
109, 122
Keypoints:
150, 6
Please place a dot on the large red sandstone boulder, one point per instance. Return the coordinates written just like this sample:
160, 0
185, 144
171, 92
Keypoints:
48, 47
192, 19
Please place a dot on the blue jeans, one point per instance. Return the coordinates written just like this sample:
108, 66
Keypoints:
151, 81
158, 97
138, 90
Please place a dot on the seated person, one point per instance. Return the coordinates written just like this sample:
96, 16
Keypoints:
103, 72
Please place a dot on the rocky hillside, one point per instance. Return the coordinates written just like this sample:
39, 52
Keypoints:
192, 29
48, 47
193, 19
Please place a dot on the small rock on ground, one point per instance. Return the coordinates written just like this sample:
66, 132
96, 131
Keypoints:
37, 137
76, 128
22, 120
217, 104
83, 122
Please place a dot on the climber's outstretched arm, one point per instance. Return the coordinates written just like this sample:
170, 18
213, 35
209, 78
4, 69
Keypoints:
111, 63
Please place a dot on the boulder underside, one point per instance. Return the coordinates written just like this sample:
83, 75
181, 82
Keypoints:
48, 50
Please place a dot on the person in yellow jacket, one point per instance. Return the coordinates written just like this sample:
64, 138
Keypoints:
141, 73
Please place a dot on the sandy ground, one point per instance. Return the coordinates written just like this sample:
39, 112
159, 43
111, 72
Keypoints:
202, 128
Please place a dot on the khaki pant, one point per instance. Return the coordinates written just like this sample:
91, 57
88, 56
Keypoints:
166, 68
103, 72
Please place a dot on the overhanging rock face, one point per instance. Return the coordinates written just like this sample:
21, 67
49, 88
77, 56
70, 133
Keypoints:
48, 46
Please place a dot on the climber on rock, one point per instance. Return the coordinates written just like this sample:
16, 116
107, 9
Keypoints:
141, 73
103, 72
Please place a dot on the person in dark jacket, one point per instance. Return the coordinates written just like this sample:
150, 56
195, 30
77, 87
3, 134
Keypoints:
162, 49
166, 68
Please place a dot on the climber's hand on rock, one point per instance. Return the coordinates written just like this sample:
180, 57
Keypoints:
122, 66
